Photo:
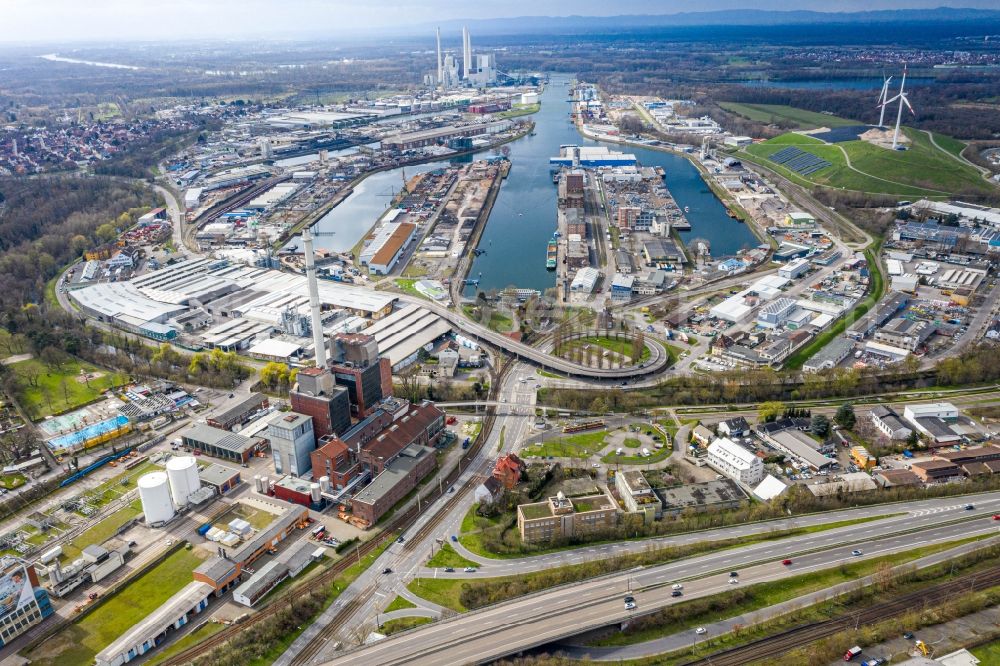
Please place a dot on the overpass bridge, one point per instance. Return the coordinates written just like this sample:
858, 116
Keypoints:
658, 356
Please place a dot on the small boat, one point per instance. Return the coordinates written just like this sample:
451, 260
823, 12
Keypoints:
687, 209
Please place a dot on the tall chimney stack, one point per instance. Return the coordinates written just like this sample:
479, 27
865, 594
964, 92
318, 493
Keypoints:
440, 79
467, 53
317, 322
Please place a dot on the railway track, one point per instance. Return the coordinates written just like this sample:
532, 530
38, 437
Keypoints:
775, 646
312, 650
398, 523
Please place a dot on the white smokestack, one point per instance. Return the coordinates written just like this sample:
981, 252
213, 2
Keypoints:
467, 53
317, 322
440, 79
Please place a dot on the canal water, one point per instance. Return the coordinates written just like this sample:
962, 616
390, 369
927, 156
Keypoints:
524, 214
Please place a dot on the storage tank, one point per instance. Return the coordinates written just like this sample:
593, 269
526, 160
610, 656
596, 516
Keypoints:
314, 492
50, 555
265, 484
324, 484
182, 473
154, 491
256, 483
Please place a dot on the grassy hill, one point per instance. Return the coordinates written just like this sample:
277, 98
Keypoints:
925, 170
776, 113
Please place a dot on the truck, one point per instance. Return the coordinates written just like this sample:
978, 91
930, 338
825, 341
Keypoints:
203, 530
852, 653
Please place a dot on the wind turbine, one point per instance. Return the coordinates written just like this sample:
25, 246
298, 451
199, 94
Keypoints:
881, 101
903, 99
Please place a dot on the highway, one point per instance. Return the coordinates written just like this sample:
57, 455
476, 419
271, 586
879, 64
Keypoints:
503, 629
923, 513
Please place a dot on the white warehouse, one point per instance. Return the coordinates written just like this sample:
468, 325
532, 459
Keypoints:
734, 461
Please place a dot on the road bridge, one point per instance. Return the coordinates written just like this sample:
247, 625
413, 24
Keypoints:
658, 360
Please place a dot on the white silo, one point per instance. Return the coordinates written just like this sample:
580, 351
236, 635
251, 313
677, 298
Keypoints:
182, 473
154, 492
314, 492
324, 484
257, 485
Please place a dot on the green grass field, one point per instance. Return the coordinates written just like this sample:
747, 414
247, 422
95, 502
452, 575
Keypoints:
102, 531
399, 603
572, 446
778, 113
924, 170
446, 556
988, 653
402, 624
59, 390
77, 643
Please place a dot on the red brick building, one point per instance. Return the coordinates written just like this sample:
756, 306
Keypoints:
508, 470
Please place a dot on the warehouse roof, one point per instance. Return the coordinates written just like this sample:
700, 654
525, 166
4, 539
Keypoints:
112, 299
218, 437
247, 404
392, 475
154, 623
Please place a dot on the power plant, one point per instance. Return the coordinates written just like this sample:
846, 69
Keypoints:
471, 71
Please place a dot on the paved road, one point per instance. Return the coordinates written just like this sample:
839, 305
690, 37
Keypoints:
406, 559
926, 513
549, 616
682, 639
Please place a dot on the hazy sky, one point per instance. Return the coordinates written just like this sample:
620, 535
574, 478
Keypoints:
85, 20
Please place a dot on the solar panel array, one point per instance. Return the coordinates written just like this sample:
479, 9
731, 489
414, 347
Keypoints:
798, 160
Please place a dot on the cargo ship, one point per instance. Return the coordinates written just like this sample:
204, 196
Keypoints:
551, 255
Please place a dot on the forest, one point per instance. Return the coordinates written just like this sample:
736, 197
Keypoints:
47, 222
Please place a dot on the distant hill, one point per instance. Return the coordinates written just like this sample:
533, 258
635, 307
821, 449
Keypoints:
742, 17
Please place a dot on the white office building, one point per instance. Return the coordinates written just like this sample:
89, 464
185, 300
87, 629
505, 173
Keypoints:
734, 461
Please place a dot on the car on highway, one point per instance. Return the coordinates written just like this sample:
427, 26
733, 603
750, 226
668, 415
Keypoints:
996, 516
786, 562
908, 635
701, 630
734, 574
677, 586
449, 569
387, 570
400, 539
970, 507
629, 598
676, 593
454, 537
538, 386
469, 569
629, 605
874, 661
734, 581
856, 553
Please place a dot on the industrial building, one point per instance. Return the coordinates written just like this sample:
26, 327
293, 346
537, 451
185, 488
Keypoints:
440, 135
317, 395
591, 156
401, 476
153, 629
359, 368
222, 573
715, 495
239, 413
220, 478
260, 583
292, 440
402, 334
222, 443
890, 424
381, 252
800, 446
637, 494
